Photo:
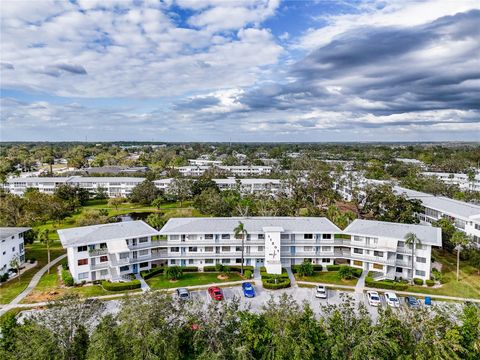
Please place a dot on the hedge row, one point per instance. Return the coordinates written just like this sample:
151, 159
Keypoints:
282, 283
121, 286
147, 274
67, 278
388, 285
430, 282
315, 268
234, 268
333, 267
189, 268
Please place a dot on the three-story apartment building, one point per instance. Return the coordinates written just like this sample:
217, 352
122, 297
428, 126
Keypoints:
11, 245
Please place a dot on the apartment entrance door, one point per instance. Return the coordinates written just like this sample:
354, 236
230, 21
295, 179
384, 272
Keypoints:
135, 268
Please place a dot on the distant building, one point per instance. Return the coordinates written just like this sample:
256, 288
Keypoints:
457, 179
11, 245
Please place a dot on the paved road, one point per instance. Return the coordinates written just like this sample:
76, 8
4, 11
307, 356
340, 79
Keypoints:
36, 278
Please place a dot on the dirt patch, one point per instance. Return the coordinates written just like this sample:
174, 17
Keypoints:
42, 296
222, 277
173, 281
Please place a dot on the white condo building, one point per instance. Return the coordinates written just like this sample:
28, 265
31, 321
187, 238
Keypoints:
465, 216
11, 245
111, 251
250, 186
457, 179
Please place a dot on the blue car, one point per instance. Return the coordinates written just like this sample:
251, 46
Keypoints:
248, 290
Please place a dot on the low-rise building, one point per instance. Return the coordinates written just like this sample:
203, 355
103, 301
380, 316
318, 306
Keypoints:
112, 251
11, 245
113, 186
462, 180
250, 186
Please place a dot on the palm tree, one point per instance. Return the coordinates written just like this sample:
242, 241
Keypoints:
43, 236
411, 239
240, 231
459, 239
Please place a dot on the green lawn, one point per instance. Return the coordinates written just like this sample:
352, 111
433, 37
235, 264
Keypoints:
327, 277
189, 279
467, 286
10, 290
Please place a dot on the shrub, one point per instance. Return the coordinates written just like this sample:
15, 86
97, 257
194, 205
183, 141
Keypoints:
65, 265
147, 274
173, 272
281, 282
67, 278
333, 267
218, 267
209, 269
305, 269
234, 268
237, 268
189, 268
346, 272
4, 277
430, 282
437, 275
248, 274
384, 284
417, 281
121, 286
32, 260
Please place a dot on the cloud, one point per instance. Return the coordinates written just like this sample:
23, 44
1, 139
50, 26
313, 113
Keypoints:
7, 66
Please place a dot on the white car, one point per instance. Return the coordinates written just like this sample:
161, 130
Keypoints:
392, 299
373, 298
321, 292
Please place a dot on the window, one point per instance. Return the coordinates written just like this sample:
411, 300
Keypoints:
225, 236
399, 257
225, 248
326, 248
104, 272
174, 237
325, 260
421, 260
378, 253
327, 236
124, 268
103, 245
284, 236
208, 261
399, 270
308, 236
174, 249
82, 248
357, 263
357, 251
124, 255
192, 249
172, 262
307, 248
238, 261
261, 248
378, 266
103, 258
238, 248
144, 264
419, 247
143, 240
13, 249
82, 262
261, 236
357, 238
208, 248
225, 261
208, 236
143, 252
190, 261
83, 276
420, 272
401, 244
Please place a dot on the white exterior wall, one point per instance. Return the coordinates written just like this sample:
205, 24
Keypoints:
10, 247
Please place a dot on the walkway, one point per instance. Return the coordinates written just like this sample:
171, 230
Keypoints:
360, 286
143, 285
293, 281
33, 283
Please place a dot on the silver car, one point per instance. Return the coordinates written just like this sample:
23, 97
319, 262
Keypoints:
321, 292
183, 294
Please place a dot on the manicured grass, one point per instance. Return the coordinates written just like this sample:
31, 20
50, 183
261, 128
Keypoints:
327, 277
189, 279
469, 281
10, 289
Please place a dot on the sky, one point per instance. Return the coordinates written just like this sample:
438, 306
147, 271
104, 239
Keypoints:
246, 71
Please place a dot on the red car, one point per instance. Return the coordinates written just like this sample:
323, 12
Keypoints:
215, 293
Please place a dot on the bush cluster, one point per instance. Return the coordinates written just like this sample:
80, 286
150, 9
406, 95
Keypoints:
147, 274
67, 278
269, 282
248, 274
235, 268
333, 267
385, 284
121, 286
316, 267
417, 281
430, 282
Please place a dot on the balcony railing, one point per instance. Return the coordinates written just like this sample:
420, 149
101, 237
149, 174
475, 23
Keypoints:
98, 252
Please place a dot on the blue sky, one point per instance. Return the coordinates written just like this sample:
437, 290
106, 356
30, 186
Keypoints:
266, 70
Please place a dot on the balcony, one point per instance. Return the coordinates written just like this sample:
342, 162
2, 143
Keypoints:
148, 244
98, 252
102, 265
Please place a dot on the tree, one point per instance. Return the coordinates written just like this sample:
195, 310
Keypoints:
448, 229
181, 189
15, 264
158, 202
474, 259
412, 240
173, 272
144, 193
43, 236
241, 232
202, 184
459, 240
73, 195
346, 272
305, 269
106, 342
116, 202
94, 217
156, 220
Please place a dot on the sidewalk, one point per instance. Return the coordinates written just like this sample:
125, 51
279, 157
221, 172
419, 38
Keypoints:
360, 286
293, 281
143, 285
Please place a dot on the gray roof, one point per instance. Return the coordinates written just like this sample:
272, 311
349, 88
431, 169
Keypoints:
446, 205
6, 232
252, 224
105, 179
100, 233
39, 179
428, 235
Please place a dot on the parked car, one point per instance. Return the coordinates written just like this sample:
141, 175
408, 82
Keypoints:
248, 290
373, 298
321, 292
215, 293
183, 293
392, 299
412, 301
428, 301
